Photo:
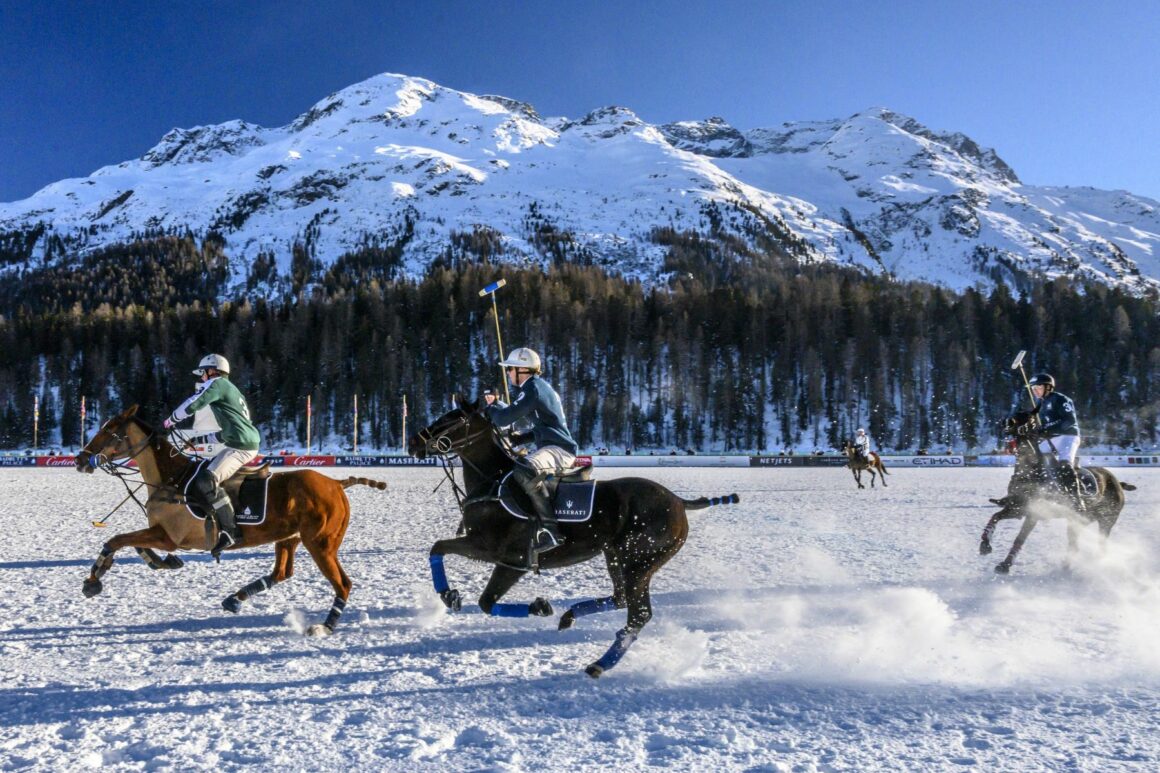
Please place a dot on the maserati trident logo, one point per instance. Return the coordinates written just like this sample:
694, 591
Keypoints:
568, 504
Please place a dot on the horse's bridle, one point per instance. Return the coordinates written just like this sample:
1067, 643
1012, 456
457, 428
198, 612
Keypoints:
120, 467
123, 471
443, 446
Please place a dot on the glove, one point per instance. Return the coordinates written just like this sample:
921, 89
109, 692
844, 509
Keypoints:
1024, 430
168, 423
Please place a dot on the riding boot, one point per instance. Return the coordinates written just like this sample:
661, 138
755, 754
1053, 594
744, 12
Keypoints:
1069, 482
228, 530
547, 532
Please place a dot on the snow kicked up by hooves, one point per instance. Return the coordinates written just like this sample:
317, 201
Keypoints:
813, 626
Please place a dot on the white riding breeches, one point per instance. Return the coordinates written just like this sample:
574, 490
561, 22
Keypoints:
550, 459
1066, 447
228, 462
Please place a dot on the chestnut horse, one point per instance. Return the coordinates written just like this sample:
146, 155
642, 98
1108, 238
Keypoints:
637, 524
857, 464
1034, 481
302, 506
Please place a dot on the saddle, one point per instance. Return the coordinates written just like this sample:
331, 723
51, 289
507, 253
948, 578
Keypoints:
247, 489
572, 495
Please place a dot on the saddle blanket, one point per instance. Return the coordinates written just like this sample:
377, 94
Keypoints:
572, 502
249, 503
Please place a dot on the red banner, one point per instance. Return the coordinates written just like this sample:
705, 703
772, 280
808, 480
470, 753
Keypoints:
56, 461
310, 461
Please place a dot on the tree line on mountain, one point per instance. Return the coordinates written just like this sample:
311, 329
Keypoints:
734, 349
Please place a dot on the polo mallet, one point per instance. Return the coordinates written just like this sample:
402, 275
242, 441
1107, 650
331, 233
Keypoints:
491, 290
1018, 363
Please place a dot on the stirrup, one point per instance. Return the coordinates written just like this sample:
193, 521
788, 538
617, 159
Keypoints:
225, 539
544, 540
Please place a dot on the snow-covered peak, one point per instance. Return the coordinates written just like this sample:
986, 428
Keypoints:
711, 137
203, 144
877, 190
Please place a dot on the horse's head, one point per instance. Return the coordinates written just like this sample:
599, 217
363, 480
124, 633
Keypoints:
451, 433
112, 442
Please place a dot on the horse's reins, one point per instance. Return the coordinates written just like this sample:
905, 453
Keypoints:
446, 450
123, 471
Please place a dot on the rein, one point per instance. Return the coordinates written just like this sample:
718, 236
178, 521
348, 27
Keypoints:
447, 450
122, 470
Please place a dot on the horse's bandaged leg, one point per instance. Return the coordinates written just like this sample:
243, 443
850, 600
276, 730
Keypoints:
256, 587
335, 612
592, 606
438, 576
509, 610
624, 640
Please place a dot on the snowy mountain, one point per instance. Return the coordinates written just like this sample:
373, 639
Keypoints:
403, 161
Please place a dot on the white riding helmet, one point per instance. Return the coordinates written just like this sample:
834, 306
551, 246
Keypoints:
861, 431
523, 358
213, 361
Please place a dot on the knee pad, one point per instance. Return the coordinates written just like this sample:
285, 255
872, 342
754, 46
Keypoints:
527, 476
204, 488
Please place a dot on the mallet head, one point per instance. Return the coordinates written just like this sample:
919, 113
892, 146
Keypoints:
491, 288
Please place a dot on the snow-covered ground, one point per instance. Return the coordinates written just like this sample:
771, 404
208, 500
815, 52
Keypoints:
811, 627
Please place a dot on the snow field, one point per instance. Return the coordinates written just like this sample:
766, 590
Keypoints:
811, 627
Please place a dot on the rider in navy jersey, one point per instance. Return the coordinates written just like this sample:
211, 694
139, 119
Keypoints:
1059, 434
534, 400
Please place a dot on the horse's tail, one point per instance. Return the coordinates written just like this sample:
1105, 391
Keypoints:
703, 502
1127, 486
380, 485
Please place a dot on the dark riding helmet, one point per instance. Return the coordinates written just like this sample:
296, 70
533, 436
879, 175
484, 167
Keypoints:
1044, 379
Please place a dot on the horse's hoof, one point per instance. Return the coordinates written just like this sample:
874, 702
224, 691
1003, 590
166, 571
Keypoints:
540, 608
173, 562
452, 599
985, 548
232, 604
594, 670
567, 620
91, 588
318, 630
1003, 568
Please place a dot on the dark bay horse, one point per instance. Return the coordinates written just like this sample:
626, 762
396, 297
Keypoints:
857, 464
637, 524
1034, 482
302, 506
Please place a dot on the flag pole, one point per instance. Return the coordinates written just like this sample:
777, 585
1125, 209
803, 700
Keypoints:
82, 421
36, 421
403, 440
356, 424
491, 290
308, 424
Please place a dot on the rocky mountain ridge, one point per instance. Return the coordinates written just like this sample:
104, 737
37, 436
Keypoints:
402, 160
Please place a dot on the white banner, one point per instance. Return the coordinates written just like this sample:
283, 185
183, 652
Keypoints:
670, 461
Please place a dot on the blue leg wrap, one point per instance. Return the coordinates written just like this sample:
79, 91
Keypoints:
592, 606
624, 640
509, 610
438, 576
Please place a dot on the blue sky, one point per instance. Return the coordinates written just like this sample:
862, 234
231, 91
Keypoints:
1064, 91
